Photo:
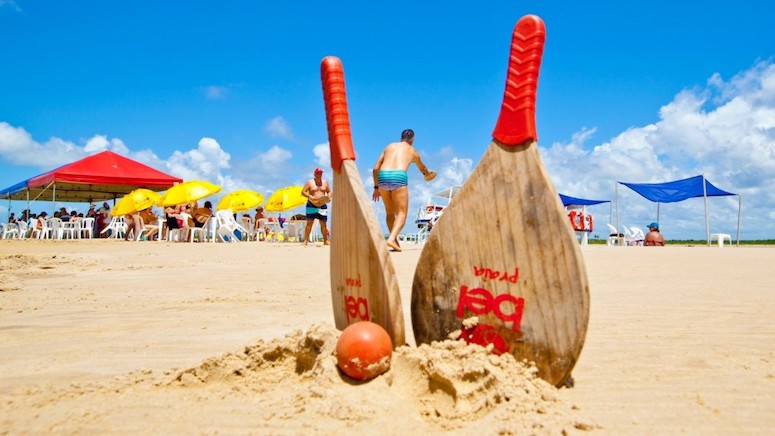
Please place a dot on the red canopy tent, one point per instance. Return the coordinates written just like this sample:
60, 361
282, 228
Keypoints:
102, 176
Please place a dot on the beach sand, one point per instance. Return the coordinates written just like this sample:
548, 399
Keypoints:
109, 336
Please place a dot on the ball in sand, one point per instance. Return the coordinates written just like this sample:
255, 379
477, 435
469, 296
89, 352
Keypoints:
364, 350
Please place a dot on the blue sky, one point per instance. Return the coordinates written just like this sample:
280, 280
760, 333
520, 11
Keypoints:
230, 92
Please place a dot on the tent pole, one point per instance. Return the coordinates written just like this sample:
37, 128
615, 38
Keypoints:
739, 210
705, 197
616, 193
611, 211
658, 204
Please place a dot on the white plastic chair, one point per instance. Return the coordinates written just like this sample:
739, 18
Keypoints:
141, 228
250, 230
31, 229
275, 232
117, 227
637, 236
294, 230
34, 232
720, 238
24, 228
51, 228
261, 229
228, 226
87, 228
71, 228
616, 237
204, 233
9, 230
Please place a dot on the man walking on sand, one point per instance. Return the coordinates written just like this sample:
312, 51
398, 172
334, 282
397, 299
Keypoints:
318, 193
391, 182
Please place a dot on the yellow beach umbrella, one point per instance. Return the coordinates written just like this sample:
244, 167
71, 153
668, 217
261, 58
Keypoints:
240, 200
135, 201
285, 199
188, 192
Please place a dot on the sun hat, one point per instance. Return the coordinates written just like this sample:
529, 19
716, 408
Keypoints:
653, 224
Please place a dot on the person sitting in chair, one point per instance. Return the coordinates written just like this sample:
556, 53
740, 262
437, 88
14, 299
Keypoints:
150, 221
653, 237
201, 214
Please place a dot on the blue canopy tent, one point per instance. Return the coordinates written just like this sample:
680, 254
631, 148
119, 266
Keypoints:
573, 201
680, 190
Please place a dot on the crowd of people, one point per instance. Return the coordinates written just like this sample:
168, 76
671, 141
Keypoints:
177, 217
36, 221
390, 186
146, 222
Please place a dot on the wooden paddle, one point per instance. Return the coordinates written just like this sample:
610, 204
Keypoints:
363, 282
503, 250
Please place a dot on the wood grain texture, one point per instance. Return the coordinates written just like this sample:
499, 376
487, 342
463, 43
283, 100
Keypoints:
363, 282
507, 218
503, 251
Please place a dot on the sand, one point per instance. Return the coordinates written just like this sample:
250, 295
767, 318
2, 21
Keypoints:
144, 337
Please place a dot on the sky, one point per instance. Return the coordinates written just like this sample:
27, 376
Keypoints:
230, 92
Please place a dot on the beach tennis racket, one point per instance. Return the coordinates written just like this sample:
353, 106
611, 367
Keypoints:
363, 281
502, 250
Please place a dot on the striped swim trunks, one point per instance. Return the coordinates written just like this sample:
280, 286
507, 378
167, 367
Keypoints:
390, 180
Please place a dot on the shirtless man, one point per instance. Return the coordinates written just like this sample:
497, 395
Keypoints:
653, 237
391, 182
318, 193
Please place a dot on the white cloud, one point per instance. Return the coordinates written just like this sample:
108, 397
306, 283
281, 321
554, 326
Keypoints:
19, 148
725, 131
214, 92
268, 170
322, 155
206, 162
274, 156
278, 127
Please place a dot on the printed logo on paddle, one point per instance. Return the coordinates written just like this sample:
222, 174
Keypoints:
357, 308
480, 301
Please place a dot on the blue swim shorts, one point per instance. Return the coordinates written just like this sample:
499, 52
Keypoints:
317, 213
390, 180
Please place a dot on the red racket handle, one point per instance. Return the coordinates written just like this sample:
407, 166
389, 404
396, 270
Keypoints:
516, 122
339, 138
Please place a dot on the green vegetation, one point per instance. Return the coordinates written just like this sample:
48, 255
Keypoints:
698, 242
703, 242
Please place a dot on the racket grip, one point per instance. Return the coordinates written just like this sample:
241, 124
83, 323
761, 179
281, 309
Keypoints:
337, 118
516, 122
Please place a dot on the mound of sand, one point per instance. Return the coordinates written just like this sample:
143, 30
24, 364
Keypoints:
446, 386
292, 385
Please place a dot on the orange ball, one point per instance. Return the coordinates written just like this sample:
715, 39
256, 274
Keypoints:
364, 350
